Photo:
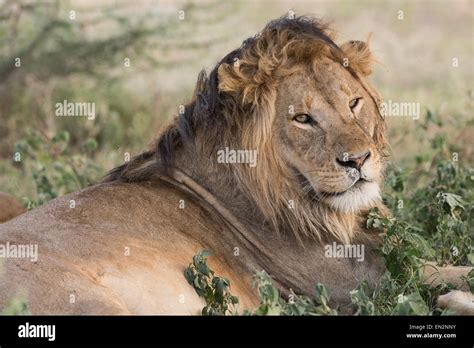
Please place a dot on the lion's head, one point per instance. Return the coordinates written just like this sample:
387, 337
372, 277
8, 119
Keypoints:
303, 103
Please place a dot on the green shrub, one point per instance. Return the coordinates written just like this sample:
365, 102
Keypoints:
16, 306
214, 290
219, 301
55, 167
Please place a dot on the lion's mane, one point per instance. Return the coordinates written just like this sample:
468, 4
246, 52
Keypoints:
234, 106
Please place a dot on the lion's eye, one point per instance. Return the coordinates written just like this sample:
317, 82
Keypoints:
302, 118
354, 103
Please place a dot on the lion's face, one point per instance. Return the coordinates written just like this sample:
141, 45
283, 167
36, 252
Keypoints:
325, 124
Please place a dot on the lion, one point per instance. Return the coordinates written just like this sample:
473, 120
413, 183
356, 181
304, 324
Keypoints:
297, 101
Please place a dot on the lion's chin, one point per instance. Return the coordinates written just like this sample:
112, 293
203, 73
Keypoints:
357, 198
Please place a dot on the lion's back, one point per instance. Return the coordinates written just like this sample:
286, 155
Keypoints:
102, 250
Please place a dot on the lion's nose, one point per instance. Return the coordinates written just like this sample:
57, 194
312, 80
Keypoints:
353, 160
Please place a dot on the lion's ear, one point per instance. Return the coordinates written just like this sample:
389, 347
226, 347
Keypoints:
358, 56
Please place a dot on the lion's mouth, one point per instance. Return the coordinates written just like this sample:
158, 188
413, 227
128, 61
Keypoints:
357, 184
317, 194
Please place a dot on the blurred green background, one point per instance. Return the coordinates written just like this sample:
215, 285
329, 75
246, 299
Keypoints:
79, 51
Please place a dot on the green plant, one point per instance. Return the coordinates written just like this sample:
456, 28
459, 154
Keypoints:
401, 291
16, 306
219, 301
215, 290
271, 302
56, 168
470, 280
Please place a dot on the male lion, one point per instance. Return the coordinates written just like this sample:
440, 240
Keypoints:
304, 105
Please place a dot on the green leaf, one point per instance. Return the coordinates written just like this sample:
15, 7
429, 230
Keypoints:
413, 304
470, 280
